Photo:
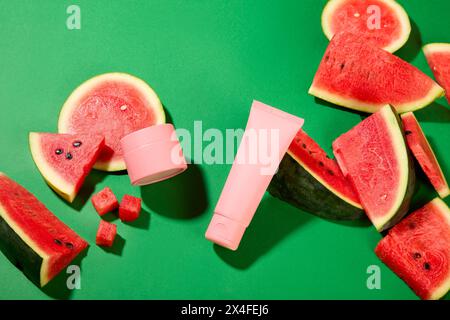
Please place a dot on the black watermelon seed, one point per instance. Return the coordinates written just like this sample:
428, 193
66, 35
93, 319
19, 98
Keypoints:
69, 245
321, 163
407, 132
304, 146
330, 172
77, 144
69, 156
411, 225
426, 266
59, 151
58, 242
342, 66
417, 256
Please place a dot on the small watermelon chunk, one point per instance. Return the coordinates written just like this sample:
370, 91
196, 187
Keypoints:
104, 201
32, 237
65, 160
421, 149
106, 234
438, 57
374, 157
130, 208
308, 179
356, 16
357, 75
418, 250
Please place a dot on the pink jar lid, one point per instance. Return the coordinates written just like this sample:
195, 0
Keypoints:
153, 154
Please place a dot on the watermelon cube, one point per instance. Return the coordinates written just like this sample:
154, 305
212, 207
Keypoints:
105, 201
129, 208
106, 233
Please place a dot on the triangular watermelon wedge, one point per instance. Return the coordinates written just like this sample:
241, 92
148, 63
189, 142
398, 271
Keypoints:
438, 57
357, 75
65, 160
421, 149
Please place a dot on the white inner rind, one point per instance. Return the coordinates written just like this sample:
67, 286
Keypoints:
405, 25
436, 47
64, 188
333, 190
72, 103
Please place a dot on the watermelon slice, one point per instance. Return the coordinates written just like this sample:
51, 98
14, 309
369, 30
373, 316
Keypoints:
32, 237
421, 149
65, 160
373, 155
357, 16
106, 234
438, 57
308, 179
418, 250
130, 208
360, 76
112, 105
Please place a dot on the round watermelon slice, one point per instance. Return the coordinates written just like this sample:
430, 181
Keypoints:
390, 32
112, 105
374, 157
438, 57
357, 75
421, 149
308, 179
65, 160
418, 250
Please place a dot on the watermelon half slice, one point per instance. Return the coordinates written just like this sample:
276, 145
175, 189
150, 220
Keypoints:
112, 105
421, 149
438, 57
360, 76
418, 250
308, 179
65, 160
374, 157
34, 239
390, 31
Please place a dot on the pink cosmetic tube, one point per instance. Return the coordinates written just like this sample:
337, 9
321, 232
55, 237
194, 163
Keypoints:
266, 139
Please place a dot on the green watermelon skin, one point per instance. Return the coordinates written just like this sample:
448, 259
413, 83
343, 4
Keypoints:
298, 187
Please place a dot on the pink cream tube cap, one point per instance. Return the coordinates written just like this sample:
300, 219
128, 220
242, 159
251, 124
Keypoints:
267, 136
153, 154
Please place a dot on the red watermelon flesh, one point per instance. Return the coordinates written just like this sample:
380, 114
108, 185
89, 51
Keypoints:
112, 105
356, 16
418, 250
374, 158
306, 151
32, 237
360, 76
422, 151
438, 57
65, 160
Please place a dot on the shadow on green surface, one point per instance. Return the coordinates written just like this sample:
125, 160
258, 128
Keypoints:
325, 103
413, 46
181, 197
57, 288
118, 246
143, 222
435, 112
273, 221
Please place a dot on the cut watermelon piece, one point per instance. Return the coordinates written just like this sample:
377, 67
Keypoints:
438, 57
374, 157
104, 201
34, 239
308, 179
106, 234
65, 160
421, 149
418, 250
358, 17
360, 76
113, 105
129, 208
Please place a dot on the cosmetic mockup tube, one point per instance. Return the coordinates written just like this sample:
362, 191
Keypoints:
267, 136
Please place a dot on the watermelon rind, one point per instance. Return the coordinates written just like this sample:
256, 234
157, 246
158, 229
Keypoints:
70, 105
405, 25
296, 184
52, 177
444, 191
436, 47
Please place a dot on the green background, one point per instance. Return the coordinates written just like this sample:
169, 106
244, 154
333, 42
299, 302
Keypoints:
207, 59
